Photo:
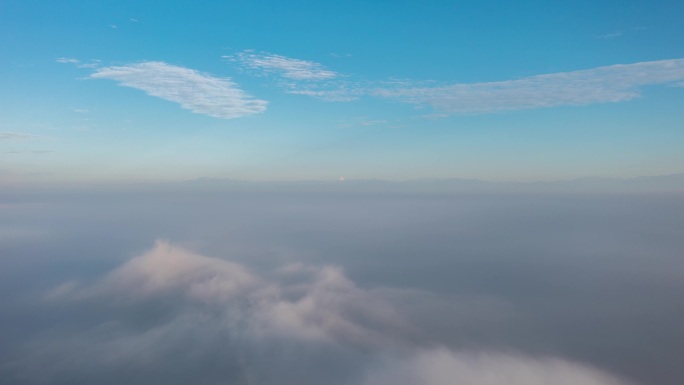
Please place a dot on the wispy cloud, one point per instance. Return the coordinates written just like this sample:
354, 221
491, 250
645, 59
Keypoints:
16, 136
614, 83
611, 35
94, 63
221, 98
434, 116
362, 121
68, 60
193, 90
300, 77
443, 367
286, 67
299, 301
171, 300
329, 95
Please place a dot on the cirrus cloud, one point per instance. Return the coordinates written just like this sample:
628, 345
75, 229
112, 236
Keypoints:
616, 83
295, 69
193, 90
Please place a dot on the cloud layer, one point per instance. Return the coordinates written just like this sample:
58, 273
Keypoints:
174, 316
200, 93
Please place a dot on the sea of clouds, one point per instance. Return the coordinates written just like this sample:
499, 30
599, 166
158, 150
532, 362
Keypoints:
307, 288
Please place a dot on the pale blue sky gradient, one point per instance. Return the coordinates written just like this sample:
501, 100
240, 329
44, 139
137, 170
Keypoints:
266, 90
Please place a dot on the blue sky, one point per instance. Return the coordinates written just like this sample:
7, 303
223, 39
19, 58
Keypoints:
259, 90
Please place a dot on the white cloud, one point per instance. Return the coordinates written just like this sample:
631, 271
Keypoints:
444, 367
265, 328
67, 60
434, 116
195, 91
167, 268
339, 95
286, 67
94, 63
316, 304
301, 77
611, 35
614, 83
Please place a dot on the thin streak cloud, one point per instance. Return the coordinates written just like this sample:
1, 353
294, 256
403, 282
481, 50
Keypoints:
193, 90
67, 60
611, 35
616, 83
286, 67
337, 95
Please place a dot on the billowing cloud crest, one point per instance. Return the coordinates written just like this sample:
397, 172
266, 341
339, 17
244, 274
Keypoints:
318, 304
200, 93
